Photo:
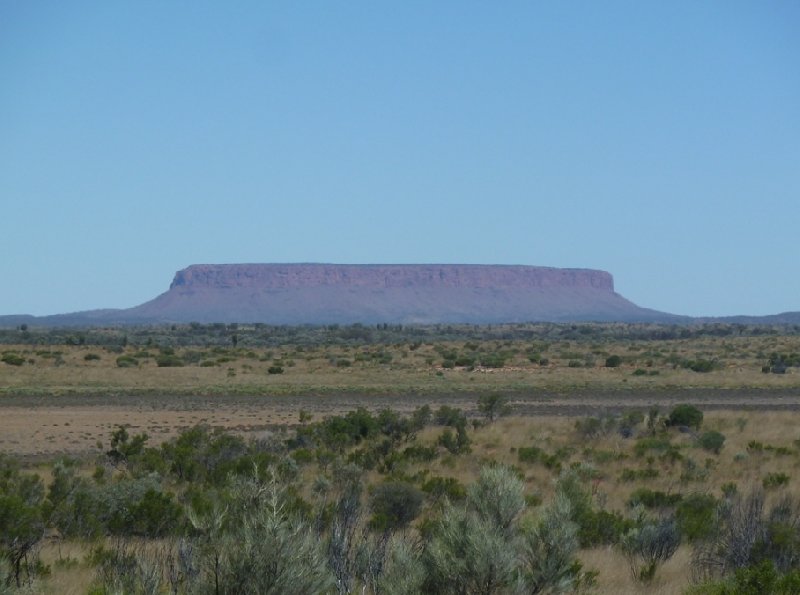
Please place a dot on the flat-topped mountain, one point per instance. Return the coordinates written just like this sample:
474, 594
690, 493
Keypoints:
369, 294
335, 293
286, 276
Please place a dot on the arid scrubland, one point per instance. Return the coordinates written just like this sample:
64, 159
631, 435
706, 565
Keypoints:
600, 461
232, 359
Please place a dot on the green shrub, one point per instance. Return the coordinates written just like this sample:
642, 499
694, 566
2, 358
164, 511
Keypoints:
530, 454
653, 498
275, 370
712, 441
91, 357
493, 405
493, 360
774, 480
169, 360
449, 487
419, 453
639, 474
754, 446
753, 580
645, 443
127, 361
702, 365
696, 516
465, 361
458, 444
613, 361
449, 416
686, 415
12, 359
394, 505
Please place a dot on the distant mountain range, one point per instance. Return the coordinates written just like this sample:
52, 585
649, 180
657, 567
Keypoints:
369, 294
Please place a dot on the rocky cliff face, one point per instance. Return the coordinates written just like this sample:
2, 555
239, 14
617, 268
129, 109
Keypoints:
287, 276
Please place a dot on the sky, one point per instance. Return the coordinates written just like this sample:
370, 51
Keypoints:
659, 141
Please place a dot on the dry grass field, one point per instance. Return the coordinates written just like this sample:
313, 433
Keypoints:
435, 368
610, 455
64, 398
58, 400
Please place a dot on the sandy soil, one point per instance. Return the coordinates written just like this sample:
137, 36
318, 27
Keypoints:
43, 427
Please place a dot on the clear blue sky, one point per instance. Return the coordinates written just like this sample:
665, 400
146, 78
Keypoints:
657, 140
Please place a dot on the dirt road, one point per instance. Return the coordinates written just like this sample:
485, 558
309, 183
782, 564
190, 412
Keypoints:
44, 427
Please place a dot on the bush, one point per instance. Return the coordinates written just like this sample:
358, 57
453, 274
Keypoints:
91, 357
701, 365
592, 427
458, 444
472, 547
275, 370
774, 480
464, 361
12, 359
653, 498
650, 545
169, 360
646, 443
493, 405
530, 454
686, 415
548, 553
127, 361
638, 474
712, 441
394, 505
449, 487
613, 361
449, 416
696, 516
493, 360
155, 515
758, 578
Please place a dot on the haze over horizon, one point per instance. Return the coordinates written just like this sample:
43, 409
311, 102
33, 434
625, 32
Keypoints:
658, 142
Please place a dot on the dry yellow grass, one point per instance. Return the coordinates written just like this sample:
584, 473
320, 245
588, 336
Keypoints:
614, 577
500, 442
414, 378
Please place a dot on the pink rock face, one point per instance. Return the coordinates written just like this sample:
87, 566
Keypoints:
287, 276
